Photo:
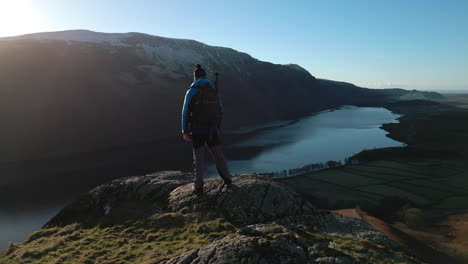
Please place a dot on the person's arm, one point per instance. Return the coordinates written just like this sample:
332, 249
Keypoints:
185, 109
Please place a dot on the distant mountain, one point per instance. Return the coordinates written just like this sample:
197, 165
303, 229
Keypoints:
405, 95
78, 90
389, 94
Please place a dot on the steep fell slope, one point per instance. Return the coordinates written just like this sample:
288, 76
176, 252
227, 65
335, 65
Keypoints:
74, 91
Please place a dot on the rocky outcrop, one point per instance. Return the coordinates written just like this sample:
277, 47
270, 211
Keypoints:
251, 199
122, 199
334, 223
257, 220
272, 243
282, 248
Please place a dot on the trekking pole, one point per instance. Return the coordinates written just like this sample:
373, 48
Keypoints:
216, 77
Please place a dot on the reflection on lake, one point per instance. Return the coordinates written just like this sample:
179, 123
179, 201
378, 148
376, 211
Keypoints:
328, 135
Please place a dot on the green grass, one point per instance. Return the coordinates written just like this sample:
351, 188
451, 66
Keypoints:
146, 241
426, 183
166, 235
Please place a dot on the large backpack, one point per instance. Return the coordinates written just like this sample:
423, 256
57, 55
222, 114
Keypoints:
206, 105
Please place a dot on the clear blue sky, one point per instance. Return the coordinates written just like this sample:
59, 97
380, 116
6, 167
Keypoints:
374, 43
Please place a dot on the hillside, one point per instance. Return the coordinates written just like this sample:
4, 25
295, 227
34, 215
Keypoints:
157, 219
67, 92
82, 91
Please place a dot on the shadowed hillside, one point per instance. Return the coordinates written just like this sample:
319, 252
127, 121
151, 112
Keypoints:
80, 91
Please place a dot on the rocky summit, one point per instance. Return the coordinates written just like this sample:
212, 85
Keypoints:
158, 218
251, 200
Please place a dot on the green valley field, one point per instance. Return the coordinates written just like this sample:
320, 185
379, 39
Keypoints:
439, 187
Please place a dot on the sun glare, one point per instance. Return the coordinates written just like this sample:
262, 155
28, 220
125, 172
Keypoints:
19, 17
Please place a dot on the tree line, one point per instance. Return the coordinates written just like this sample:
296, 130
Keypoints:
305, 169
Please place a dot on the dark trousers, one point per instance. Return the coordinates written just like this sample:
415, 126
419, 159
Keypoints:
213, 142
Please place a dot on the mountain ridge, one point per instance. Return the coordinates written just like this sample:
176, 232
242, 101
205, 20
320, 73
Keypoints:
47, 83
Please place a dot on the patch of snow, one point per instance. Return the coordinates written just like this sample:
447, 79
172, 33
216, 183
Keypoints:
79, 35
175, 59
171, 57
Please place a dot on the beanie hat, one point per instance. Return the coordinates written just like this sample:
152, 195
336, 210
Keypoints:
199, 72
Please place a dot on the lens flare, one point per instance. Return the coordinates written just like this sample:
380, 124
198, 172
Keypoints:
19, 17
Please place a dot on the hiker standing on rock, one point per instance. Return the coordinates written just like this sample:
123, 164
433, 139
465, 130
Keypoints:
201, 118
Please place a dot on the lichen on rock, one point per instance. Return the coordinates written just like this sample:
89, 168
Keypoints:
252, 199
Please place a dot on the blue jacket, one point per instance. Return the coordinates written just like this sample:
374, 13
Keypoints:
187, 125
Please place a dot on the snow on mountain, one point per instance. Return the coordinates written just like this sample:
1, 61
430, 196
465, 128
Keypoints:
165, 55
77, 35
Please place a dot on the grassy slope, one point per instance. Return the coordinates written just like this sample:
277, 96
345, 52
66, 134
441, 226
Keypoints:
145, 241
163, 236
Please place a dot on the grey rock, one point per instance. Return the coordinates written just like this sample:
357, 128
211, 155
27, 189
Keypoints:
252, 199
333, 223
122, 199
244, 249
335, 260
274, 244
272, 219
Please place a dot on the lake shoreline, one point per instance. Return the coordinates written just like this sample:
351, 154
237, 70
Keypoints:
243, 149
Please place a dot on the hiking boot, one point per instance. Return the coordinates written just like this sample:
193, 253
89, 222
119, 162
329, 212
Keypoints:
228, 183
197, 190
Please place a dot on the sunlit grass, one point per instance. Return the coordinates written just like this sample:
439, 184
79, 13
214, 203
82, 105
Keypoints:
146, 241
